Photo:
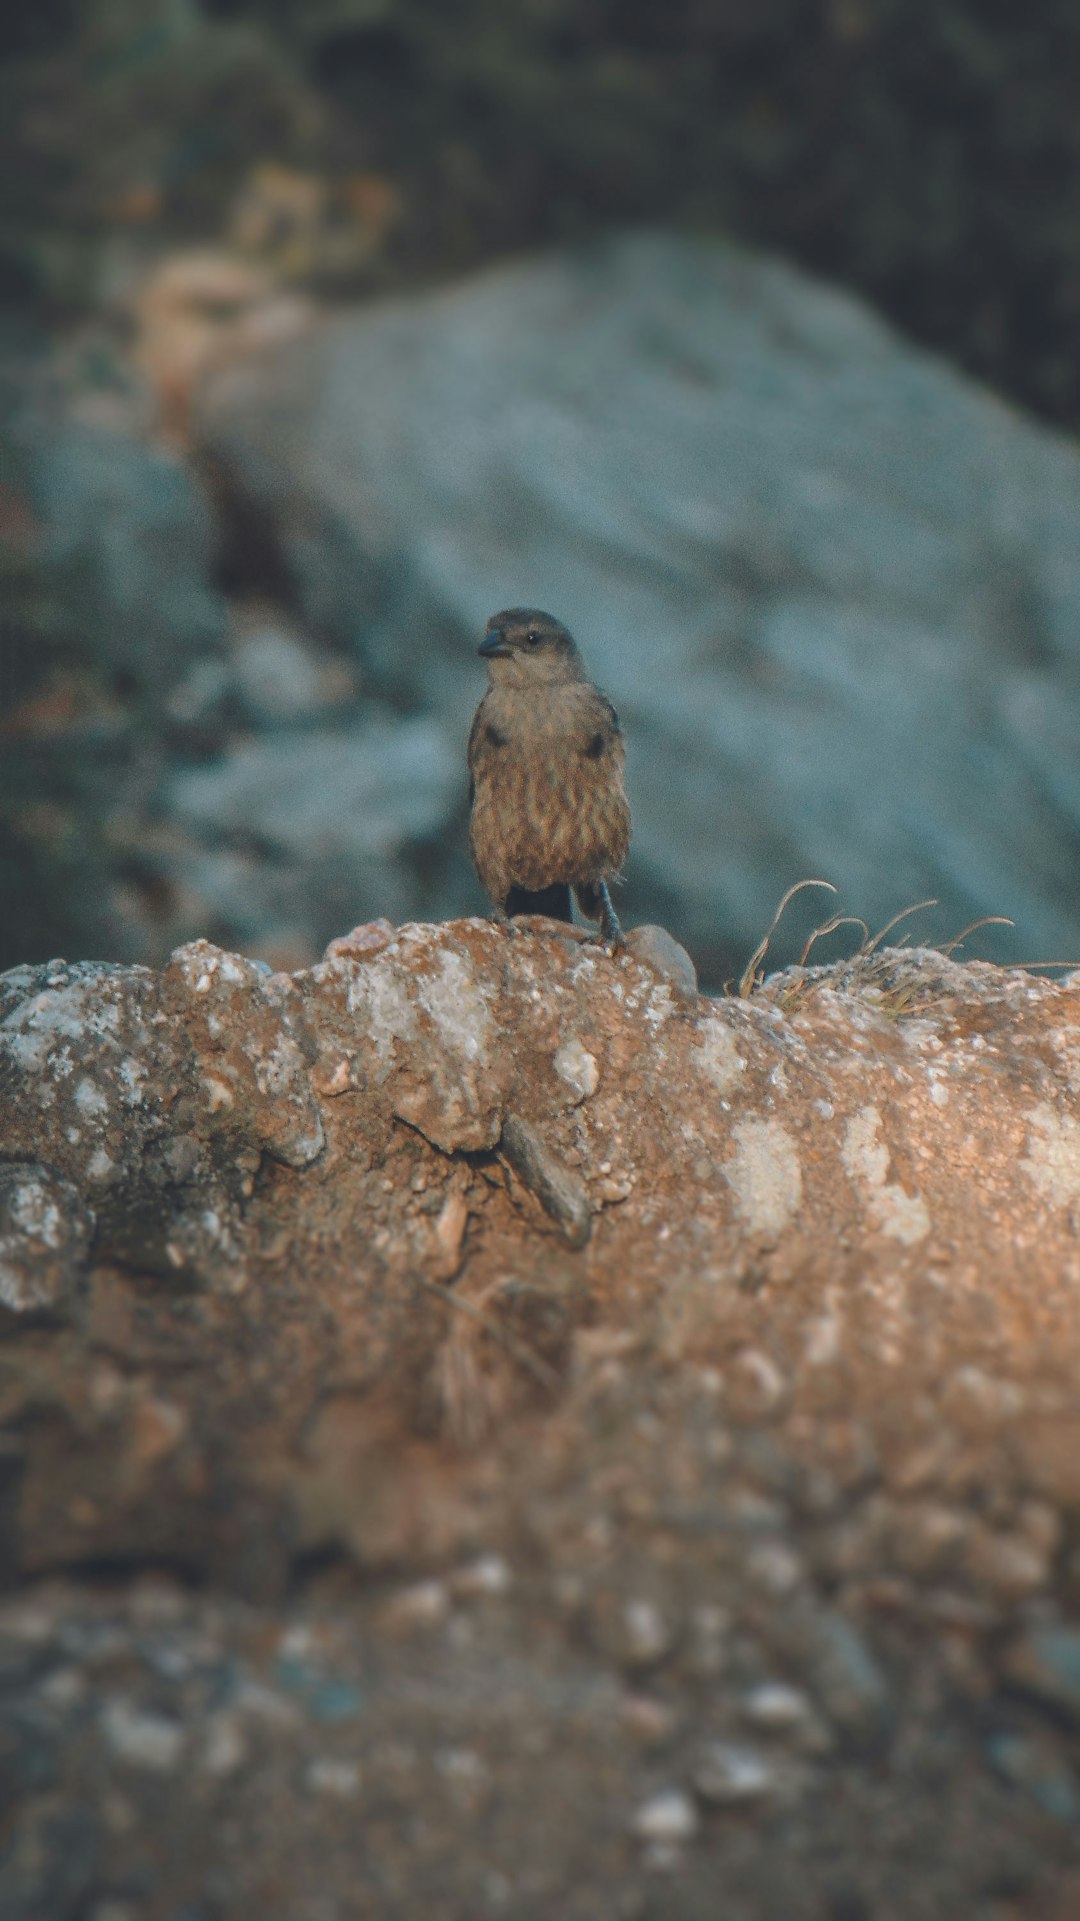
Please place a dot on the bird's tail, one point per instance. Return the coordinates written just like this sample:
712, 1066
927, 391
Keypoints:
552, 901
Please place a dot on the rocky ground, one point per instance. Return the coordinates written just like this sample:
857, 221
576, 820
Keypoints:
488, 1431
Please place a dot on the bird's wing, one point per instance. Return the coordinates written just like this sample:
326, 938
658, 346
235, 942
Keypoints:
600, 724
473, 751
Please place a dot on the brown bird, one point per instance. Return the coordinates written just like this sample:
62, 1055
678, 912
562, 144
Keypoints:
549, 809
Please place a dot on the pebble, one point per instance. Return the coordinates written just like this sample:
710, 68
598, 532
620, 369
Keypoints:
141, 1737
729, 1774
1045, 1662
667, 1819
225, 1748
710, 1629
647, 1721
648, 1635
774, 1568
275, 676
756, 1386
1010, 1564
416, 1609
845, 1676
486, 1578
776, 1708
1040, 1771
327, 1774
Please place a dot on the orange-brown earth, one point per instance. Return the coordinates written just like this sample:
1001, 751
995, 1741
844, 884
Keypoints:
487, 1430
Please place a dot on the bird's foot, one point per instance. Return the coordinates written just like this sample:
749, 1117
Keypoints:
611, 934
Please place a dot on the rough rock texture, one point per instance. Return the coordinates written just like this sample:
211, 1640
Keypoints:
595, 1450
832, 587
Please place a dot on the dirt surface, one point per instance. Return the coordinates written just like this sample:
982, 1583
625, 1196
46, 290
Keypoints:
488, 1431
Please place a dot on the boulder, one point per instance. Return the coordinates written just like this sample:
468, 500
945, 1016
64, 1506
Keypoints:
832, 586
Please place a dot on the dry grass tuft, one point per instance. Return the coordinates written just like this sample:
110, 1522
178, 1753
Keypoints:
899, 989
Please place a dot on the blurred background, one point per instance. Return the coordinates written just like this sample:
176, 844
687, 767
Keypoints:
740, 336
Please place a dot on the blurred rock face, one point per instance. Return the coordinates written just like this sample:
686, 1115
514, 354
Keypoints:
833, 589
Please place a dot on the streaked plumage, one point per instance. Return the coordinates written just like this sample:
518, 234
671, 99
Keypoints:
546, 756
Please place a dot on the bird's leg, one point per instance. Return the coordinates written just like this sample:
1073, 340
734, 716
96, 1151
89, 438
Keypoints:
610, 931
501, 918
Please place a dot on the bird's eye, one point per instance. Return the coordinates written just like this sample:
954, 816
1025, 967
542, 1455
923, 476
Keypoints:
532, 638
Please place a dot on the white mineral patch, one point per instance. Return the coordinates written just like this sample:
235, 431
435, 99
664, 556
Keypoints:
19, 1289
718, 1057
100, 1166
89, 1099
866, 1163
1067, 1042
1053, 1156
36, 1026
277, 1069
379, 996
577, 1067
36, 1214
458, 1006
218, 1092
133, 1079
765, 1175
659, 1006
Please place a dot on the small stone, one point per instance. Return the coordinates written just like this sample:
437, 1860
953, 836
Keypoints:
466, 1775
327, 1774
776, 1708
362, 942
142, 1738
756, 1386
658, 949
1045, 1662
417, 1609
1043, 1774
647, 1636
1009, 1564
667, 1819
647, 1721
276, 677
728, 1774
448, 1235
927, 1534
710, 1627
45, 1233
486, 1578
64, 1688
577, 1068
225, 1749
844, 1674
774, 1567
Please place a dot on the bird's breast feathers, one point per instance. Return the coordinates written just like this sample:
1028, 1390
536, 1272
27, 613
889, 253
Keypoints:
549, 803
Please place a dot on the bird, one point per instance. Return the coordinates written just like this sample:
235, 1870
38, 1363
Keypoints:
548, 805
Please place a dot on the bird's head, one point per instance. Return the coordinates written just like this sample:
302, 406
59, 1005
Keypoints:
526, 648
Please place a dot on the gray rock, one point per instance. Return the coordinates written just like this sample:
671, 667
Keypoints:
833, 588
357, 796
1045, 1662
127, 546
730, 1775
1040, 1771
45, 1231
336, 819
844, 1675
276, 677
668, 1816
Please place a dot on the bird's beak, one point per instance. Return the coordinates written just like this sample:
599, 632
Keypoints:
493, 646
